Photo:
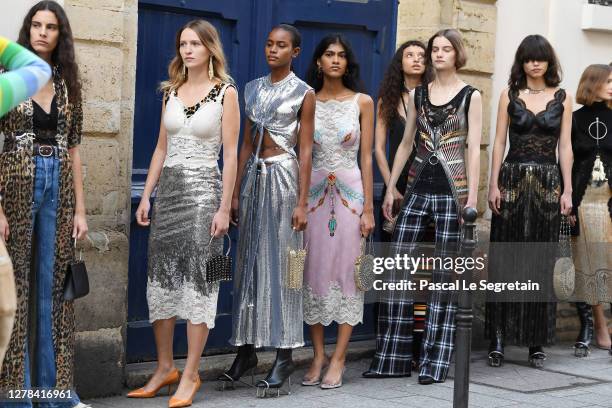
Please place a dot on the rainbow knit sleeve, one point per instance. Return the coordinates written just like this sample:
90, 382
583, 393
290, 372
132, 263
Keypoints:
27, 74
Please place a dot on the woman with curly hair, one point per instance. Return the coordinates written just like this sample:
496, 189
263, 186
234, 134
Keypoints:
406, 71
42, 187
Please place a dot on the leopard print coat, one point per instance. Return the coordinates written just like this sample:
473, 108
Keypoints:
17, 172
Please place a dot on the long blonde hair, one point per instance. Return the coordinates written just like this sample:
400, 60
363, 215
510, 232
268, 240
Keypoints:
207, 33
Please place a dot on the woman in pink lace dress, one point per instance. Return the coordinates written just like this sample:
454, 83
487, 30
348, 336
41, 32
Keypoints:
340, 203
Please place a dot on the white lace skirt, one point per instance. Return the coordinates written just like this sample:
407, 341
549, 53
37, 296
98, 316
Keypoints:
185, 204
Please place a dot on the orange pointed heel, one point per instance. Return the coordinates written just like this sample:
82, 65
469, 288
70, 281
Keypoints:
177, 403
169, 381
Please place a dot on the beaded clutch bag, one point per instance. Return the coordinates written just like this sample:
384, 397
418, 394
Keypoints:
564, 275
219, 267
296, 258
364, 267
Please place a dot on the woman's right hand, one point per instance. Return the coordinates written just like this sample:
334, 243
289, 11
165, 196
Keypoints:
234, 211
142, 213
4, 227
494, 199
387, 206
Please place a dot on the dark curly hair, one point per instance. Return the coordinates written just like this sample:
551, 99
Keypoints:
63, 55
534, 48
392, 85
350, 79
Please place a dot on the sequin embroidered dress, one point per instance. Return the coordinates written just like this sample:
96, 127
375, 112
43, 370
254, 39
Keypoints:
266, 312
335, 204
187, 198
529, 182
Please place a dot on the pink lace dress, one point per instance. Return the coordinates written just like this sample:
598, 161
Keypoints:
335, 204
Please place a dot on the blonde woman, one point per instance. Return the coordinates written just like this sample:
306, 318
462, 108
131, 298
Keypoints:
199, 115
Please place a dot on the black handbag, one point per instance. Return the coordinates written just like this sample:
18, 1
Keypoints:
76, 284
219, 267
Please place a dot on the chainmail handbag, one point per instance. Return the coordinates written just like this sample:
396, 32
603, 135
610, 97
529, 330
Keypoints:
564, 275
364, 266
219, 267
296, 258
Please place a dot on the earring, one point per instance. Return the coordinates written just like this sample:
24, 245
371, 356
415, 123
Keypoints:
184, 72
319, 72
211, 68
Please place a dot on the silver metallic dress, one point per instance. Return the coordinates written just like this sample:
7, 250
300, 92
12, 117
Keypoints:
266, 312
188, 197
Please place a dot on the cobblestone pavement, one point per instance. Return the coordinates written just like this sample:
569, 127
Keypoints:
564, 382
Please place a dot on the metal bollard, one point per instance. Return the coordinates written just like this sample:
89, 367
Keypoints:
464, 317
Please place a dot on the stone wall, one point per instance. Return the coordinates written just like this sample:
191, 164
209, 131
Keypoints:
476, 20
105, 33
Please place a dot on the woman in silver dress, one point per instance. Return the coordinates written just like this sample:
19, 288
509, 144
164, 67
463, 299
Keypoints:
271, 203
199, 115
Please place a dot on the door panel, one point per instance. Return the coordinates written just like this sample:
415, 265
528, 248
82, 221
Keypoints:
243, 25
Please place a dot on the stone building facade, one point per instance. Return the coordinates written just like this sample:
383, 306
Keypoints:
105, 36
106, 44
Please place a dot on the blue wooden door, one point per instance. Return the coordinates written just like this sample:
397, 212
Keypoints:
243, 26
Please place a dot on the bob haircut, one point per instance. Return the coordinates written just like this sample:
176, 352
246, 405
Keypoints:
593, 78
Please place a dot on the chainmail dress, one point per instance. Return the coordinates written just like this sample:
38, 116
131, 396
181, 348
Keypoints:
266, 312
335, 205
530, 186
188, 196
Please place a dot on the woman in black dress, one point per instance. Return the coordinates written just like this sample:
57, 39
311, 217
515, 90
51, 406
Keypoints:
526, 187
406, 71
592, 200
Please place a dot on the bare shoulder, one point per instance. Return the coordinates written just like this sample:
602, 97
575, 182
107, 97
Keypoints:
568, 103
365, 101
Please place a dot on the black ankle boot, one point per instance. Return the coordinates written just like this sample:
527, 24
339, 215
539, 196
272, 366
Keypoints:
281, 370
536, 356
496, 349
585, 335
245, 360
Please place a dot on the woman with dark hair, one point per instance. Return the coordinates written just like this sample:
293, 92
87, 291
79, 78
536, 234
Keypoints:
535, 115
448, 115
592, 204
200, 115
42, 187
271, 197
406, 71
340, 203
26, 75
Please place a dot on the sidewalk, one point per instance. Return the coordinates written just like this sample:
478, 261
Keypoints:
565, 382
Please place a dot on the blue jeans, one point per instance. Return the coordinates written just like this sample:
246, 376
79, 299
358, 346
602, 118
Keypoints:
44, 218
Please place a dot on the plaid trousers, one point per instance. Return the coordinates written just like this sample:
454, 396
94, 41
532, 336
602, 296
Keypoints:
396, 310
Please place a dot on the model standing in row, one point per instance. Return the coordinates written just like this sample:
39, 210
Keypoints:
535, 115
200, 115
26, 75
340, 207
448, 115
271, 201
592, 204
406, 71
43, 201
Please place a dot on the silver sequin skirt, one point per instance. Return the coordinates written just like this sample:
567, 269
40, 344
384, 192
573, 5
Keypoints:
185, 204
266, 312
